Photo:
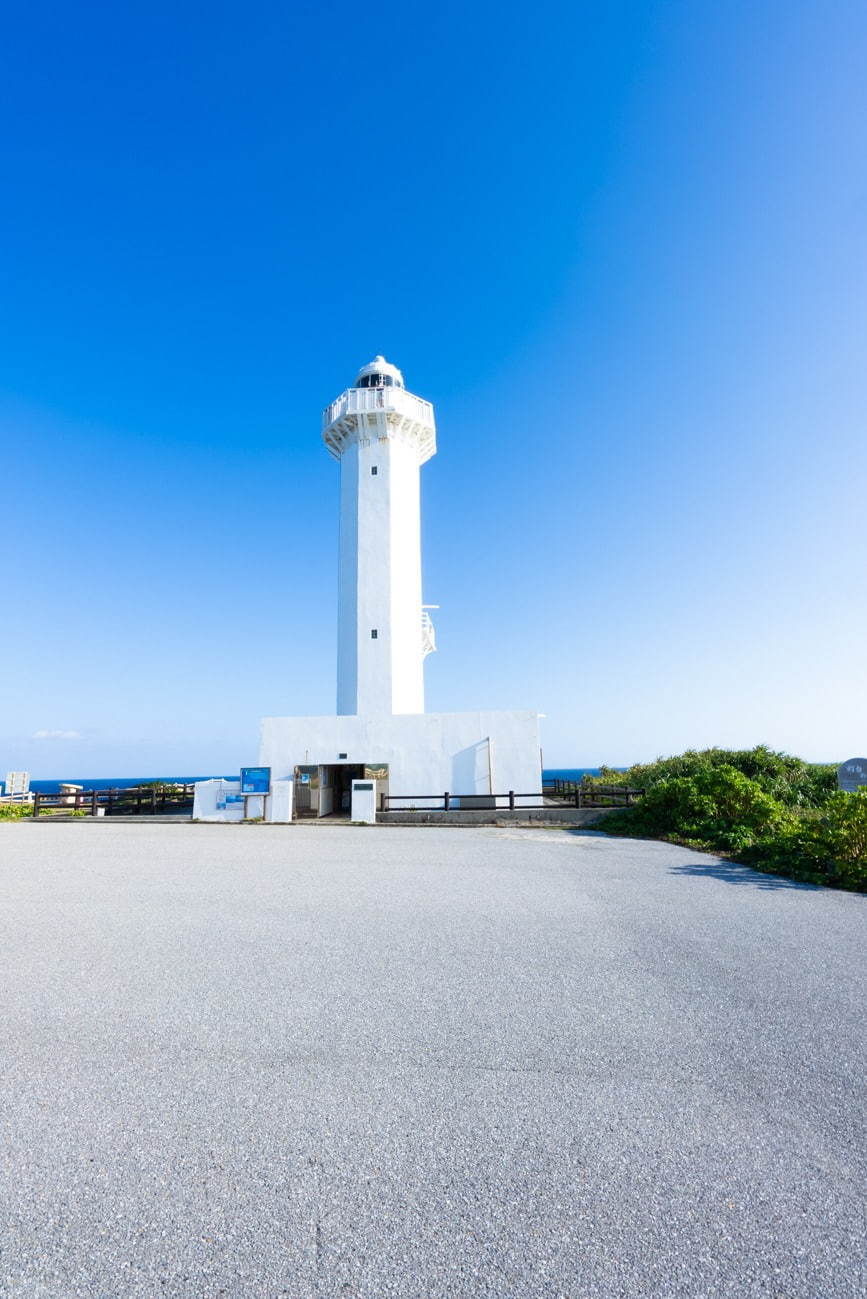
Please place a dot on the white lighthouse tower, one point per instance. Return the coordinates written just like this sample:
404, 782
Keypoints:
382, 435
381, 742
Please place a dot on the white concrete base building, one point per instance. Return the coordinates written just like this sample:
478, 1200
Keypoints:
467, 755
382, 435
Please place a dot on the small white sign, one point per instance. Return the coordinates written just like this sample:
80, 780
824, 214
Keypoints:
17, 784
364, 801
852, 774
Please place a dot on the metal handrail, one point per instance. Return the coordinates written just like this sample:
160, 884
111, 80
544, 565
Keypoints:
360, 400
578, 796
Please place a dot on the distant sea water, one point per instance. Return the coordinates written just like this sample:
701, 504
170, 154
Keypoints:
128, 782
569, 773
113, 782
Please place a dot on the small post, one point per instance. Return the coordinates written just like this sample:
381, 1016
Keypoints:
110, 802
36, 798
154, 801
511, 800
446, 801
138, 800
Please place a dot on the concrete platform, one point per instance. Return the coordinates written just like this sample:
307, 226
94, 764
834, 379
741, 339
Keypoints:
564, 816
267, 1062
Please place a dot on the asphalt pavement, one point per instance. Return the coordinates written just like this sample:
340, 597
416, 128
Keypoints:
261, 1061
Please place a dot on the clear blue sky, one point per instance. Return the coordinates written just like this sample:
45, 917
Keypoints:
621, 246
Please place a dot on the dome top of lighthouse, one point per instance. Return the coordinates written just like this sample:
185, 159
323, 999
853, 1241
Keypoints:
379, 373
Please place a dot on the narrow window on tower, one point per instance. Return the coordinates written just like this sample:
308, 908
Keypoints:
374, 469
374, 633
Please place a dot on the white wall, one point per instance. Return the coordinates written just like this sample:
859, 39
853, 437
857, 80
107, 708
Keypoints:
347, 587
373, 693
407, 686
426, 753
379, 574
326, 795
208, 795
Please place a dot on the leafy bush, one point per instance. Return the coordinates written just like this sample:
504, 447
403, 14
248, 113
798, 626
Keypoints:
14, 811
844, 829
788, 779
831, 847
717, 807
774, 811
795, 849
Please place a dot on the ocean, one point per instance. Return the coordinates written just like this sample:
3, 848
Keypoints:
128, 782
116, 782
570, 773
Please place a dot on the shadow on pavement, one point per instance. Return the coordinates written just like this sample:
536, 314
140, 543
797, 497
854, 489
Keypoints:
728, 871
732, 873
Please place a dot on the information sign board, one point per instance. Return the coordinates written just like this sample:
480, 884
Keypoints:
255, 780
852, 774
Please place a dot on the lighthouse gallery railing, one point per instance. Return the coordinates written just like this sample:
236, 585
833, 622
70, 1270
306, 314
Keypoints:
360, 400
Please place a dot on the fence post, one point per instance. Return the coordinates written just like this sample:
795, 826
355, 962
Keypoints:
36, 798
446, 801
94, 802
511, 800
577, 795
138, 800
154, 803
110, 802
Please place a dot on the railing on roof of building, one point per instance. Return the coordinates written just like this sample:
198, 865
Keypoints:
356, 401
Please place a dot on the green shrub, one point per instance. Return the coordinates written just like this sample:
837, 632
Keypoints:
794, 849
828, 847
842, 832
14, 811
787, 779
786, 818
716, 806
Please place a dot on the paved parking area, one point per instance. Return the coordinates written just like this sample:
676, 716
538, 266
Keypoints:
263, 1061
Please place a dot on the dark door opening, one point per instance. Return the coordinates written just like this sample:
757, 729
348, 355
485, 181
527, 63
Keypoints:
339, 778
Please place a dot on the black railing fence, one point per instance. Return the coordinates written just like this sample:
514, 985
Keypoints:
582, 794
554, 794
139, 800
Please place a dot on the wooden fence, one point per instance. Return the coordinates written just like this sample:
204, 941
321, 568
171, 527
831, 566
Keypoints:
566, 794
138, 800
580, 794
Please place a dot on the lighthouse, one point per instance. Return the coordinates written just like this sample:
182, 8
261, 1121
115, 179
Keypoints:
381, 435
381, 743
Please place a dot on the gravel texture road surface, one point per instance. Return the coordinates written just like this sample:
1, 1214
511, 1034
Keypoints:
256, 1061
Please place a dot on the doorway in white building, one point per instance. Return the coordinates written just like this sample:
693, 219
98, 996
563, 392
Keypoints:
325, 790
306, 791
335, 795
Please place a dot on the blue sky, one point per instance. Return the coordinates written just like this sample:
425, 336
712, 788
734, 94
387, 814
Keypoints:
621, 246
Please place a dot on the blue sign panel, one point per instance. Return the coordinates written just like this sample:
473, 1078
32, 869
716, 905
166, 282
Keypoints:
255, 780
